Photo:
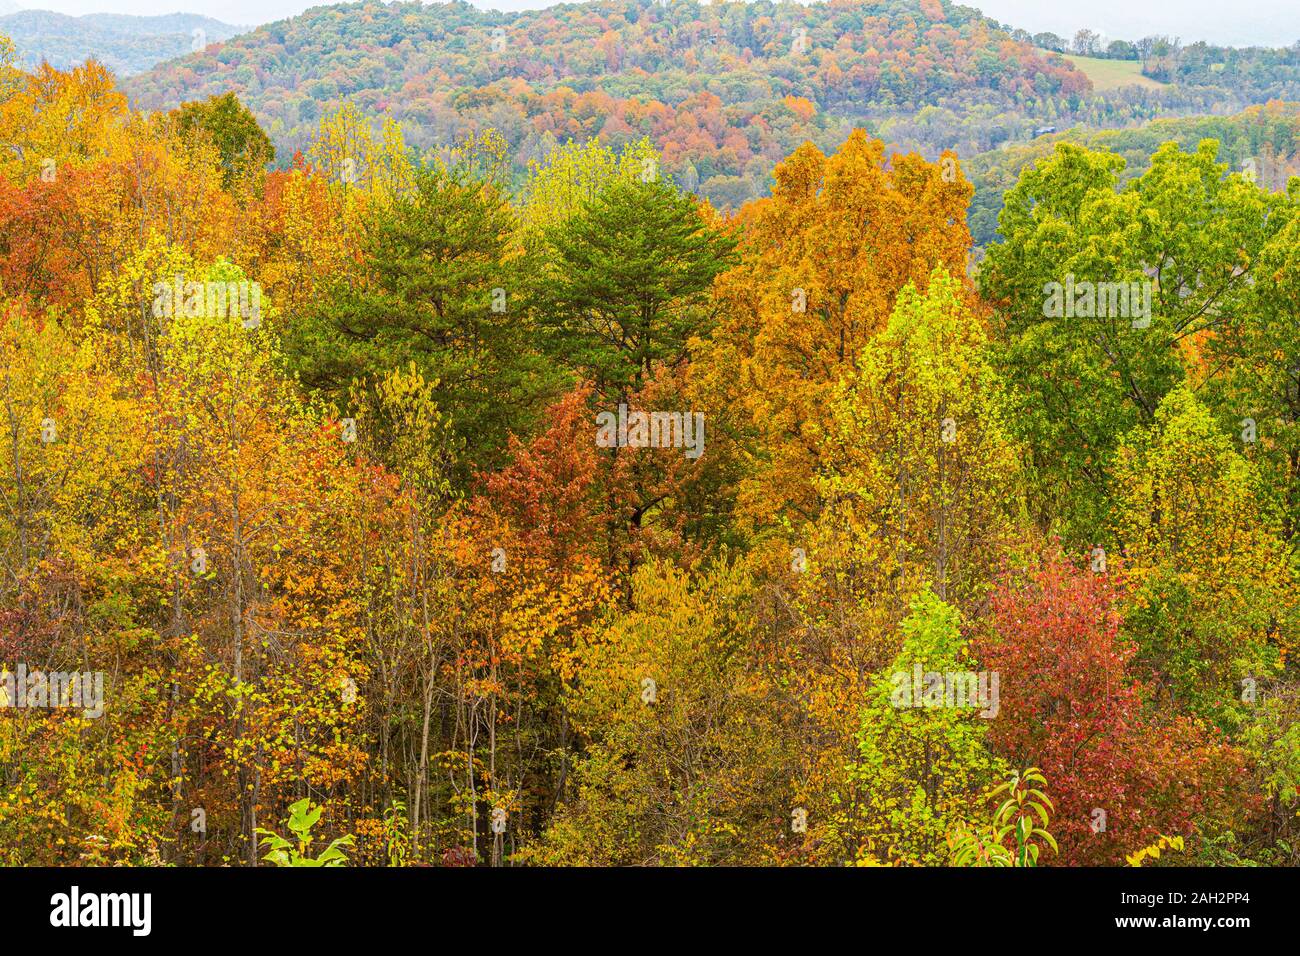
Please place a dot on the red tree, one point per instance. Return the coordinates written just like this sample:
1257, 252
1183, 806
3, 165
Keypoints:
1070, 706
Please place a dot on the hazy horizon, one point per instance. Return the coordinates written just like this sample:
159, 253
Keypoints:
1272, 23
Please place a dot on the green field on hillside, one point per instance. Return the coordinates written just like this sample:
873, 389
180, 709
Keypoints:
1112, 74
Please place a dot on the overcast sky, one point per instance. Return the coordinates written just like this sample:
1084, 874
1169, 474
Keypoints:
1269, 22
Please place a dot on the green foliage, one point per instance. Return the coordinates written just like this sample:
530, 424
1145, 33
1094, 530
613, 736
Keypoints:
922, 465
567, 176
396, 840
443, 293
242, 145
921, 766
1264, 138
1018, 827
625, 282
1213, 592
303, 815
1181, 237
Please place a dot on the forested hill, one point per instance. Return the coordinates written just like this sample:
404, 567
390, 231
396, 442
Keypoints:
125, 44
724, 90
1262, 142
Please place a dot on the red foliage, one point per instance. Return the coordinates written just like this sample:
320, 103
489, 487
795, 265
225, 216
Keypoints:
545, 492
458, 856
1070, 706
36, 260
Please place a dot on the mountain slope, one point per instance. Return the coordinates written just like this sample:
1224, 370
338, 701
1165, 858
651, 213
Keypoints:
1262, 139
724, 90
125, 44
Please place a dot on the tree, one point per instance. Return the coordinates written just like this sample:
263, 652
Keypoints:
1074, 704
1121, 50
822, 261
921, 759
686, 760
1102, 293
439, 287
241, 143
1214, 593
566, 177
1087, 43
1250, 370
919, 467
625, 283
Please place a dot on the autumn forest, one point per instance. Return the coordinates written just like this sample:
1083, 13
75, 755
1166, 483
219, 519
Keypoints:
375, 494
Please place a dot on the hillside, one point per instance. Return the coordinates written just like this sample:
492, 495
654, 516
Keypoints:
125, 44
724, 90
1113, 74
1263, 139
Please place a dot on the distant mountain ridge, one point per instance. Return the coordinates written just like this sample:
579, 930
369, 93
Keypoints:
125, 44
725, 90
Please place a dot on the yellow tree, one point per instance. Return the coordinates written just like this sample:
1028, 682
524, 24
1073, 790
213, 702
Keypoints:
918, 492
920, 472
75, 590
268, 633
573, 174
52, 120
1213, 598
688, 759
823, 259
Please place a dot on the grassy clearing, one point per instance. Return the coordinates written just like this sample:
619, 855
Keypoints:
1112, 74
